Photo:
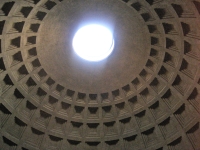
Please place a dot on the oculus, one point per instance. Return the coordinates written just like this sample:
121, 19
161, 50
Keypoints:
93, 42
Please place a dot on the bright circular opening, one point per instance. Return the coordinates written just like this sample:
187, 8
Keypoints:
93, 42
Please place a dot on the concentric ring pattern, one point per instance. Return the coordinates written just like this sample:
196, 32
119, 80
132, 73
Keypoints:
158, 109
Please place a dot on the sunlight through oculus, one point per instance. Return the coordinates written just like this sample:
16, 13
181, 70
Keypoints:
93, 42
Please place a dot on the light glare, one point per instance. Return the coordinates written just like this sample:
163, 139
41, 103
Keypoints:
93, 42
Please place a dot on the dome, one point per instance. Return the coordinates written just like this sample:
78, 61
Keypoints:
144, 96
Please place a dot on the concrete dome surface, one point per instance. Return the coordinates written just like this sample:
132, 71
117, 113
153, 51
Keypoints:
144, 96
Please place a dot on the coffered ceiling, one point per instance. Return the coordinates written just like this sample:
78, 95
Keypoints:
144, 96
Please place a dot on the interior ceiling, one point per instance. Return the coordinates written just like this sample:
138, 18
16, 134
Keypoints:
146, 95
